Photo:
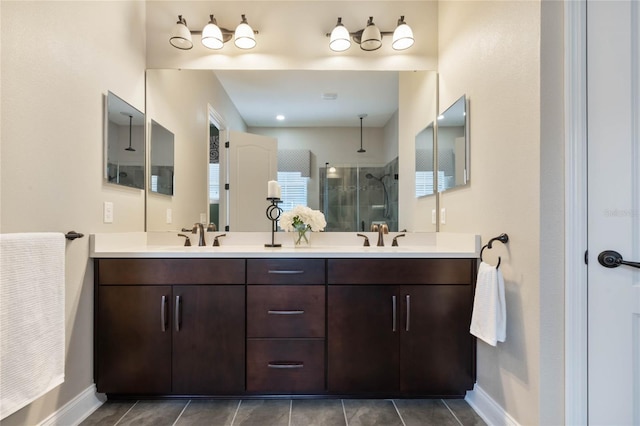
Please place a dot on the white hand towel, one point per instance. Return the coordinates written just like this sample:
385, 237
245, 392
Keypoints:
489, 317
32, 320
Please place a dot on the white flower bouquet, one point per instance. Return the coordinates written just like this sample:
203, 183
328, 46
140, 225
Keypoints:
302, 219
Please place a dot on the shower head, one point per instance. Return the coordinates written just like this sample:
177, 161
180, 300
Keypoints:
370, 176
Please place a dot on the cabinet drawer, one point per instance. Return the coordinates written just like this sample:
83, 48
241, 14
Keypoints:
400, 271
285, 311
285, 271
285, 365
170, 271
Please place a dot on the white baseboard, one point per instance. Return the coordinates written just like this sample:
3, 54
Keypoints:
487, 408
76, 410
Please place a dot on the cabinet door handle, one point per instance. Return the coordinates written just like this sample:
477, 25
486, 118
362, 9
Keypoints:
177, 313
408, 298
393, 316
275, 312
163, 313
285, 364
285, 272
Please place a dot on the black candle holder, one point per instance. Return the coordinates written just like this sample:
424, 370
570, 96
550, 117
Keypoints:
273, 214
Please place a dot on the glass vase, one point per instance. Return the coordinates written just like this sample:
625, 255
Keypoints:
302, 236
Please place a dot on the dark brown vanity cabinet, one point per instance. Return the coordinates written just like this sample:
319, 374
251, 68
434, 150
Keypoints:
383, 327
400, 326
286, 326
170, 326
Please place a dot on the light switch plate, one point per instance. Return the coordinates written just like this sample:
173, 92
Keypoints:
169, 216
443, 216
433, 216
107, 212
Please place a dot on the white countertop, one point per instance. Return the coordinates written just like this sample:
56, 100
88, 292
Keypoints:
252, 245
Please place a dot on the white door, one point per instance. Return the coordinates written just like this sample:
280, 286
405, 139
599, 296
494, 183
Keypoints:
253, 162
613, 108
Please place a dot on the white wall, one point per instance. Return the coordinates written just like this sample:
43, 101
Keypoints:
180, 100
59, 59
491, 51
418, 91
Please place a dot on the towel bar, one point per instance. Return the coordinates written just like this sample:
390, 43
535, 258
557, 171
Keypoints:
72, 235
503, 238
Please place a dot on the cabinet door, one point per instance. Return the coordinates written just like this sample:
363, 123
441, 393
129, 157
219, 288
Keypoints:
363, 338
435, 346
133, 339
208, 339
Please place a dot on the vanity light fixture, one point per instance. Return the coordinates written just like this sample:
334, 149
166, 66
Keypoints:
180, 35
339, 41
213, 36
402, 36
370, 38
243, 37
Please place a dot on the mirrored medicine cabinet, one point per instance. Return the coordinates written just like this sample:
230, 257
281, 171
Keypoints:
124, 143
453, 146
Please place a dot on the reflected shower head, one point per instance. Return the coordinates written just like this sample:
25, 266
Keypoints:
370, 176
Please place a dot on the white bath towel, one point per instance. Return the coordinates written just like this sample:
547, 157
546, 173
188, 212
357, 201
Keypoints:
489, 317
32, 324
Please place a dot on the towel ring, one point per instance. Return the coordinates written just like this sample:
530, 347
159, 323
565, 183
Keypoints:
503, 238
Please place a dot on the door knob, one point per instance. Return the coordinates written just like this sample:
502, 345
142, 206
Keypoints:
613, 259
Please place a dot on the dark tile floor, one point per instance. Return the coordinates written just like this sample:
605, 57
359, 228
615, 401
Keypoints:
297, 412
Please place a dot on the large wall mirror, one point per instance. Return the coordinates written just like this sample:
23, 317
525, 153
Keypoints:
124, 143
321, 115
453, 146
162, 165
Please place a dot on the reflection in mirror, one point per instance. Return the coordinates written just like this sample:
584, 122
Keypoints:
424, 162
453, 146
162, 152
322, 111
124, 144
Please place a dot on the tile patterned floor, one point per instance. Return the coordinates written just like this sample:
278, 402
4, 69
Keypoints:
309, 412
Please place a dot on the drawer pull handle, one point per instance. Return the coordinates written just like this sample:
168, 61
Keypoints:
177, 313
273, 312
393, 314
285, 364
163, 313
408, 312
285, 272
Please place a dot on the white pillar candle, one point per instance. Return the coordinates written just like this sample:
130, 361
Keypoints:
273, 189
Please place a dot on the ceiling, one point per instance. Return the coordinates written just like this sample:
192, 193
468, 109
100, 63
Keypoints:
301, 97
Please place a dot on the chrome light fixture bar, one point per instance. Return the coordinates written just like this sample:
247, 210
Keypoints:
213, 36
370, 37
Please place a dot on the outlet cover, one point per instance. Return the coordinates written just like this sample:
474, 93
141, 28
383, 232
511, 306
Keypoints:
169, 216
107, 212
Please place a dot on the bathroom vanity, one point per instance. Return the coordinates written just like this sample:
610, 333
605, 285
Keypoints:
334, 320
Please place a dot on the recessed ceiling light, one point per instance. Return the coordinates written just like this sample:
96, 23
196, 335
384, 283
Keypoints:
279, 117
329, 96
440, 117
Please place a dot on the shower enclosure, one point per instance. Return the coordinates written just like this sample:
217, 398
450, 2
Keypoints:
353, 198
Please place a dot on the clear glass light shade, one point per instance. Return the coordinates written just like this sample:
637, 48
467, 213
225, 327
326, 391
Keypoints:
212, 36
402, 36
244, 37
181, 36
371, 37
339, 39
